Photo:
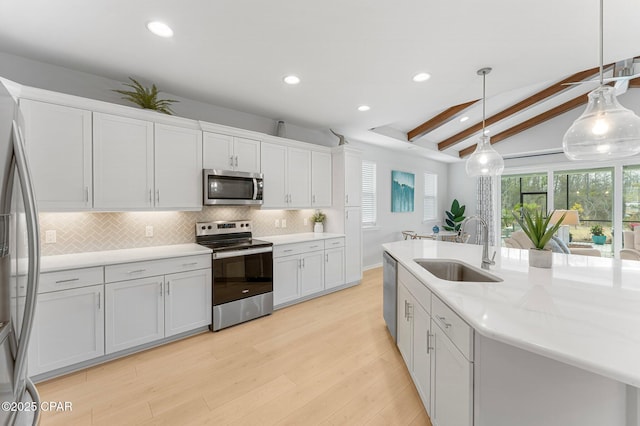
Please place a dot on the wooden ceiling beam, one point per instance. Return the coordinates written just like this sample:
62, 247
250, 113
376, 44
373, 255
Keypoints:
538, 119
634, 82
531, 100
438, 120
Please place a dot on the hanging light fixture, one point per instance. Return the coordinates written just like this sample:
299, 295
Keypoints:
606, 129
485, 161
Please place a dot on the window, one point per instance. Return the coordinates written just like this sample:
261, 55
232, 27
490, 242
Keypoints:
369, 204
430, 197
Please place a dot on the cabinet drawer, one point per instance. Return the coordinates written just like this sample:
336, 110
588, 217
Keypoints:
297, 248
460, 333
416, 288
72, 278
334, 242
133, 270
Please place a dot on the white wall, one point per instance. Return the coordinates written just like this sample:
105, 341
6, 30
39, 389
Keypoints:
390, 225
59, 79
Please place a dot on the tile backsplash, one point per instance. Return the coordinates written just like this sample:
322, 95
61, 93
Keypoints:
81, 232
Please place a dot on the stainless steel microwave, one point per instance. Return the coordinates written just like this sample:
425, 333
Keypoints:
226, 187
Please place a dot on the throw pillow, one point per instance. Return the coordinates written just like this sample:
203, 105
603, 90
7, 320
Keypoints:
561, 244
553, 246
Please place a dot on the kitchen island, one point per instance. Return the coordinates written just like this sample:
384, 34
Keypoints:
553, 346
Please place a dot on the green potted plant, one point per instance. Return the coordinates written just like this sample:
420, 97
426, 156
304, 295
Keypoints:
536, 226
318, 219
597, 236
454, 217
146, 98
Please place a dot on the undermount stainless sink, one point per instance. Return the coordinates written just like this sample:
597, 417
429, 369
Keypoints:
454, 270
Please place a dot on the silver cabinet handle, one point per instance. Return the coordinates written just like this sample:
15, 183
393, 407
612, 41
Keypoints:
405, 309
314, 246
326, 257
299, 264
288, 250
231, 161
442, 320
160, 289
86, 194
158, 196
68, 281
136, 271
409, 311
429, 347
303, 262
313, 198
168, 287
99, 304
286, 198
190, 264
347, 213
245, 291
236, 161
347, 198
150, 199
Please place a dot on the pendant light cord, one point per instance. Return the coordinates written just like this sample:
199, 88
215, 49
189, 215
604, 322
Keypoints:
601, 42
484, 98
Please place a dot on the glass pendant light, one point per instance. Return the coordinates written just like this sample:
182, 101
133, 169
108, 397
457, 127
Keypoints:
606, 130
485, 161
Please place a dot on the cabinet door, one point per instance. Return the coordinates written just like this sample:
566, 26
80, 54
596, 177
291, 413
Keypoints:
58, 144
135, 313
274, 168
299, 177
353, 179
452, 383
178, 167
217, 151
320, 179
353, 245
422, 353
286, 279
333, 267
187, 302
122, 162
404, 328
312, 273
247, 155
68, 328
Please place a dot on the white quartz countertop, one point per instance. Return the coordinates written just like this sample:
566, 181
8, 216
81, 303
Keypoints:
110, 257
298, 238
585, 311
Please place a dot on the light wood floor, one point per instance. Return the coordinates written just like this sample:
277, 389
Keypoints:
326, 361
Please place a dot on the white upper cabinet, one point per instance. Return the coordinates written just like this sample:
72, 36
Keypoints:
226, 152
320, 179
178, 167
299, 177
123, 162
274, 168
58, 143
353, 179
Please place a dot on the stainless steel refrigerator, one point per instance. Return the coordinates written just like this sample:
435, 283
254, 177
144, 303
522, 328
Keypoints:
19, 270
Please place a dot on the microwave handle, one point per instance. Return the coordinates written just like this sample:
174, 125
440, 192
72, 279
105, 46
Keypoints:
255, 188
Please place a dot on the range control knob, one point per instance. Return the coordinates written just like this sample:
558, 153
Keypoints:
203, 227
209, 227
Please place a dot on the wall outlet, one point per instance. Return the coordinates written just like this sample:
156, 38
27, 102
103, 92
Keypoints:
306, 221
50, 237
284, 223
148, 231
277, 223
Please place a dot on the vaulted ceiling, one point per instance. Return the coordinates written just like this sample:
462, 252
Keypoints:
347, 53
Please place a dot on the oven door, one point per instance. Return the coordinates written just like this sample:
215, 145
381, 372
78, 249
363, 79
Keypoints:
223, 187
240, 274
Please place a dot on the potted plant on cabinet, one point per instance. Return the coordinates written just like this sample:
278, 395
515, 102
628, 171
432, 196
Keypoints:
318, 219
597, 236
536, 227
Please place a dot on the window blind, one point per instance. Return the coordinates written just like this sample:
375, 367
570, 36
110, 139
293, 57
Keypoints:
430, 196
369, 204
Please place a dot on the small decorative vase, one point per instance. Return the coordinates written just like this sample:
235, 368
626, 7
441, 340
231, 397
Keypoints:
540, 258
599, 239
435, 229
318, 228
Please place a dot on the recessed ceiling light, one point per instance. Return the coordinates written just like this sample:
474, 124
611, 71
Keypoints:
364, 108
160, 29
422, 76
463, 119
291, 79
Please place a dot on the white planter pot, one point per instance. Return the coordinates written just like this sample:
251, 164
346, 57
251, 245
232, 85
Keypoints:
318, 228
540, 258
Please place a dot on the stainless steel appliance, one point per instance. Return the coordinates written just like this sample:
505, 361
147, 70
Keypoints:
224, 187
389, 290
242, 272
19, 270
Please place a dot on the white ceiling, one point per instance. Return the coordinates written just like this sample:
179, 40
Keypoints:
234, 53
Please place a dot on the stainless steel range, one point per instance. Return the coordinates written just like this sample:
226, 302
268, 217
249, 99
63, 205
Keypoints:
242, 272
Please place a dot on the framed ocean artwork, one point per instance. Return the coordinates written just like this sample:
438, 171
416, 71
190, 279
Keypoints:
402, 191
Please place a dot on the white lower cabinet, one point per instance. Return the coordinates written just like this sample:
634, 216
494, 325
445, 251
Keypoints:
68, 328
333, 267
135, 313
187, 303
312, 273
438, 352
286, 280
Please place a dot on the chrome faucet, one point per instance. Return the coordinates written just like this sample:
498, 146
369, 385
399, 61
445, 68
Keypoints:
486, 262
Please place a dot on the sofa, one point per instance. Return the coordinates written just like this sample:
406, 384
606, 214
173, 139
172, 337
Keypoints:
519, 240
631, 244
